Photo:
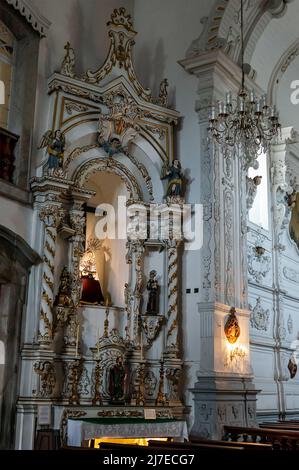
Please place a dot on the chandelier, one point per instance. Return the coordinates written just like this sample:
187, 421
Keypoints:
246, 123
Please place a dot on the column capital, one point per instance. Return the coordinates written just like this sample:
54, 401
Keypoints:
52, 215
218, 71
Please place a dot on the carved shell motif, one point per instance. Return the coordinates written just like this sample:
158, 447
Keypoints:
232, 329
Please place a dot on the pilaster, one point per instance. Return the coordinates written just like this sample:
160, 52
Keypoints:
225, 376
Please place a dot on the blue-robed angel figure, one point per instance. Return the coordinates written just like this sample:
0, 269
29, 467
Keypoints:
175, 179
112, 146
55, 143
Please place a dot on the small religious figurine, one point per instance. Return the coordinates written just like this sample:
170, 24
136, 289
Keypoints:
175, 179
117, 376
112, 146
63, 297
153, 297
55, 143
232, 329
68, 63
163, 94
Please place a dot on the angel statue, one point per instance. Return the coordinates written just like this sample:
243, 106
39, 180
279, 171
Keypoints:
175, 178
54, 141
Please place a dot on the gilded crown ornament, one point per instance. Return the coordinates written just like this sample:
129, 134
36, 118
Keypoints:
119, 17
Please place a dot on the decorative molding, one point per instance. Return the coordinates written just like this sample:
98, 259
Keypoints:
290, 324
150, 384
258, 265
151, 325
38, 22
46, 372
291, 274
121, 36
77, 107
259, 317
108, 165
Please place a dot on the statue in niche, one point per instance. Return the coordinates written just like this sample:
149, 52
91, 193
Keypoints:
55, 144
117, 376
153, 297
175, 178
91, 292
63, 297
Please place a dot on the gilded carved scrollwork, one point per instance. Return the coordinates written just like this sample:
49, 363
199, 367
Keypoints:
109, 166
258, 265
172, 294
47, 378
259, 317
151, 325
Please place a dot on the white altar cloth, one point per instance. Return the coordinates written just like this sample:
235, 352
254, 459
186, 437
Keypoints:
82, 430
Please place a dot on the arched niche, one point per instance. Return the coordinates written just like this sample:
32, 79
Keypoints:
144, 161
108, 243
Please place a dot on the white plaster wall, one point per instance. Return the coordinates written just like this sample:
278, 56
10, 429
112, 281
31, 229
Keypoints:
83, 24
166, 30
16, 217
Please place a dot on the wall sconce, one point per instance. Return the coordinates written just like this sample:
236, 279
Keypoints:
232, 329
259, 250
236, 352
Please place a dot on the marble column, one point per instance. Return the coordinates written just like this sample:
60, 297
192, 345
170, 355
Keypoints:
48, 195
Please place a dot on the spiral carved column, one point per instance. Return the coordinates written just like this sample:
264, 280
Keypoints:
138, 250
77, 221
172, 294
51, 216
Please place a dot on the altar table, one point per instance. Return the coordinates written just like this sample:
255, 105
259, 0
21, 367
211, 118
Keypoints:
79, 430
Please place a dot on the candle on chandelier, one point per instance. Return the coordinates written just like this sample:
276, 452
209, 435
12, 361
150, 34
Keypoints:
220, 107
252, 96
77, 340
272, 111
212, 113
258, 107
241, 105
141, 345
228, 98
264, 101
98, 342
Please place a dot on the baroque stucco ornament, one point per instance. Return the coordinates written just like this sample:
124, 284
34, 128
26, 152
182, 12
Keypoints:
259, 317
258, 265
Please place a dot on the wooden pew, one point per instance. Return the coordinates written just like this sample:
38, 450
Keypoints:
247, 445
281, 425
168, 446
281, 439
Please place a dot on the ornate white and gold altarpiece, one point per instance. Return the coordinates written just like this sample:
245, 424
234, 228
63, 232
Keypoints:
69, 348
